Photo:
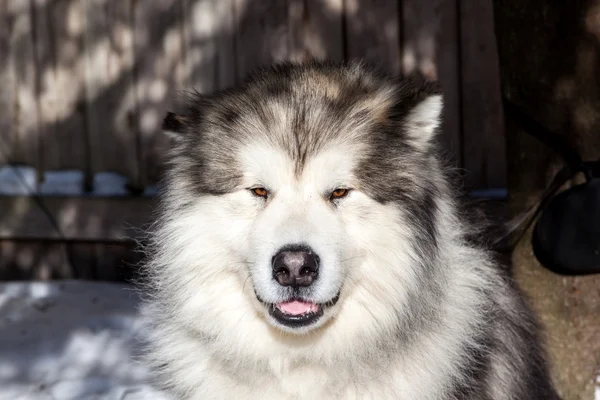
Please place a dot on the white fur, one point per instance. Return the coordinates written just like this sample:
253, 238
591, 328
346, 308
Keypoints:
424, 119
218, 340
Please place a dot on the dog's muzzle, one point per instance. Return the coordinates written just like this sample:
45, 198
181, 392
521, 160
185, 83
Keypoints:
296, 268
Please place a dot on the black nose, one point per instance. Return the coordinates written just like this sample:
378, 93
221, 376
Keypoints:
295, 266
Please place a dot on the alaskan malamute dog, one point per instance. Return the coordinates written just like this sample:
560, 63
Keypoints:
309, 247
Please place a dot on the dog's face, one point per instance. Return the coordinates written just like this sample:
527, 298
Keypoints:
300, 180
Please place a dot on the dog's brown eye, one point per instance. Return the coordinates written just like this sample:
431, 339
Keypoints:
339, 193
260, 192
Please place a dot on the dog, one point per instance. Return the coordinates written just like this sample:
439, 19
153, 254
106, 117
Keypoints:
310, 244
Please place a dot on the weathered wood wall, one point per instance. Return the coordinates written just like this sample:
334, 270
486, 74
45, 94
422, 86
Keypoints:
550, 57
85, 84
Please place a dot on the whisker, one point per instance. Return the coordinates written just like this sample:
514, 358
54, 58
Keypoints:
245, 282
351, 258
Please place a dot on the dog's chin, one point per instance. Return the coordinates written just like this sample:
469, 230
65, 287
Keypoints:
298, 316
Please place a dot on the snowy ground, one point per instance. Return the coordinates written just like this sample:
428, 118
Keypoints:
70, 340
23, 181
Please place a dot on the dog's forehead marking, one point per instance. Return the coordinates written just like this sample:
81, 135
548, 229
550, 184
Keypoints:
300, 127
323, 85
377, 104
333, 166
265, 163
308, 112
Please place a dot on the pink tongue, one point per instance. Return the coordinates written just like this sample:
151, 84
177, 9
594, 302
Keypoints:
296, 307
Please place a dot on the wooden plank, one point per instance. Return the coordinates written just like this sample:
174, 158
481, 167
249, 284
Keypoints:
180, 46
45, 260
226, 51
261, 35
26, 260
109, 264
484, 151
59, 48
315, 30
430, 45
276, 30
447, 52
7, 94
81, 258
116, 262
420, 27
24, 147
373, 32
201, 24
161, 73
110, 90
79, 218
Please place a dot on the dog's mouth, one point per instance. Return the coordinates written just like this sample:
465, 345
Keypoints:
296, 313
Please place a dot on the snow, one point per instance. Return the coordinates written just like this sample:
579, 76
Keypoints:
62, 183
21, 180
110, 184
16, 181
66, 340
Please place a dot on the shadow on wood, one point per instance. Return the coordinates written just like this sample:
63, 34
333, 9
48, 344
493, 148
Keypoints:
550, 65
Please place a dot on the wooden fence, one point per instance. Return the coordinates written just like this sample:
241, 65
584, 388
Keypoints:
85, 83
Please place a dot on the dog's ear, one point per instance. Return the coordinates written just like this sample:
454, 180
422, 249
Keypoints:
423, 120
174, 125
418, 108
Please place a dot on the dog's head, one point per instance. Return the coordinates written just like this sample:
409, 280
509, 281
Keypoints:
306, 191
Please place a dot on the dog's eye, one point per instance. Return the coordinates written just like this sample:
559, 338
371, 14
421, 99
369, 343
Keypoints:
339, 193
260, 192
